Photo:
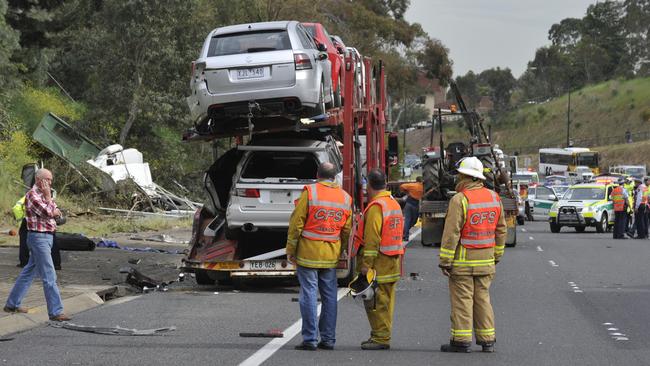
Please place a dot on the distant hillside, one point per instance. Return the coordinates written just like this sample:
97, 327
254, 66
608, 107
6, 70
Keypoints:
600, 116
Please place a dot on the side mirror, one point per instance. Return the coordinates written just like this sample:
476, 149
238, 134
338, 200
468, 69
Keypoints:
553, 197
322, 56
321, 47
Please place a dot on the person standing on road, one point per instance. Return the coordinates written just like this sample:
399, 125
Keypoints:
40, 212
619, 198
640, 207
23, 251
321, 221
378, 246
414, 193
474, 220
630, 223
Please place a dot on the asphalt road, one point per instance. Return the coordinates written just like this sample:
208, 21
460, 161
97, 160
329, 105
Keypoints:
559, 299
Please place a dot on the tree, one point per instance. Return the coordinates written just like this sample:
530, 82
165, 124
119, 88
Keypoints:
469, 88
501, 84
8, 45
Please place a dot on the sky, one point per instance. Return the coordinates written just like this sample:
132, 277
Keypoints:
482, 34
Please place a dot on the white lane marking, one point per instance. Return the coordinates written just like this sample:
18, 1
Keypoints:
621, 338
617, 334
553, 264
416, 233
523, 230
577, 291
531, 238
275, 344
571, 283
614, 329
608, 324
539, 249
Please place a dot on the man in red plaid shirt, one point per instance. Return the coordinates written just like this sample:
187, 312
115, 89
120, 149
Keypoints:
40, 212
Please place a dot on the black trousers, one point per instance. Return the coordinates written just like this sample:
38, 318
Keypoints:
641, 222
23, 250
620, 224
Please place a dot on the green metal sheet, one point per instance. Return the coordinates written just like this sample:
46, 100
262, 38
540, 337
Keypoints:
63, 140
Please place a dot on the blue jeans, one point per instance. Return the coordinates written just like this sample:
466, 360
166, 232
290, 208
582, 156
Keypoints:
40, 263
312, 281
411, 213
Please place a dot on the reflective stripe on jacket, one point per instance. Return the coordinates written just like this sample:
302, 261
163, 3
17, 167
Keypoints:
618, 199
483, 212
329, 209
391, 229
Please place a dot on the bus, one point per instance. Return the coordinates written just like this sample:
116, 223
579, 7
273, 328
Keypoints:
568, 159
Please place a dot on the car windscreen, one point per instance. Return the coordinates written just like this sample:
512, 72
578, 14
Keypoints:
580, 194
559, 190
247, 42
280, 164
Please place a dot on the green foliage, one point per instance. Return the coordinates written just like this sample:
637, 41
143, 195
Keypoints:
15, 151
30, 105
8, 45
645, 115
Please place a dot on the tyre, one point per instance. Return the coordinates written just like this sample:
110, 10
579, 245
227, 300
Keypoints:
520, 220
555, 228
320, 107
430, 174
601, 226
580, 229
202, 278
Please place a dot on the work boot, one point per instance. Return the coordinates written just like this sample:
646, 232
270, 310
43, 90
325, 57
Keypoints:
374, 346
487, 347
325, 346
9, 309
60, 318
454, 346
305, 347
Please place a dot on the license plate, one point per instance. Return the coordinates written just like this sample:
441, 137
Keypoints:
252, 73
281, 197
262, 265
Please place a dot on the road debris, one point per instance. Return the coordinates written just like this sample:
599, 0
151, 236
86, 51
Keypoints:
162, 238
105, 243
135, 260
117, 330
143, 282
272, 333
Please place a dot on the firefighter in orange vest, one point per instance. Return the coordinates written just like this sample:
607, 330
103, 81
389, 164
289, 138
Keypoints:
619, 198
474, 220
378, 245
321, 221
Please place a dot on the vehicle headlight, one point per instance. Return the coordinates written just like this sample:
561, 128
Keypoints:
588, 209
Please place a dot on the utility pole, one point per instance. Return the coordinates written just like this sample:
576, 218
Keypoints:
568, 120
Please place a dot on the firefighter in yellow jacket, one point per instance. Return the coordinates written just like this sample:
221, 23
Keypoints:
321, 221
379, 246
473, 241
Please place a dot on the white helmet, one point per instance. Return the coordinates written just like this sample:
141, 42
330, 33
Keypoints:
471, 166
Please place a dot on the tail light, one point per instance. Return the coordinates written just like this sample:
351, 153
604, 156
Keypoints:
198, 70
302, 61
248, 192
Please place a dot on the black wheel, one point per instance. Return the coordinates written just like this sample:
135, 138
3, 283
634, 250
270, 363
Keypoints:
338, 101
555, 228
202, 278
529, 215
601, 227
520, 220
580, 229
320, 107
